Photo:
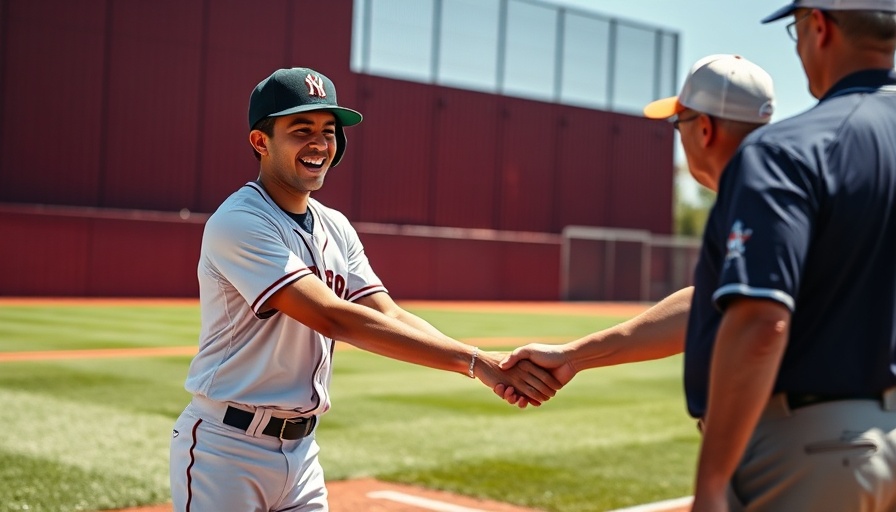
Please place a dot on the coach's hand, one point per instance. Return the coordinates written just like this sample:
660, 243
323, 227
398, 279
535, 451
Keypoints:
532, 383
550, 357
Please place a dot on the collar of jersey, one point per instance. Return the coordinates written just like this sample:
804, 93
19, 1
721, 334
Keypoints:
868, 80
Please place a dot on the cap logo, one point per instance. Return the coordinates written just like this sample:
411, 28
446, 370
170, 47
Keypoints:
315, 86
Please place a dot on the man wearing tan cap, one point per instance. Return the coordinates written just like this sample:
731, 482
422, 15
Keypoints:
723, 99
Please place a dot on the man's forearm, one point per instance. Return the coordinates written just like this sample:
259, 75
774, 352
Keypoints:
656, 333
747, 354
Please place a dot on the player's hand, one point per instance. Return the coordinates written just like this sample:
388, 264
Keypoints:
550, 357
531, 382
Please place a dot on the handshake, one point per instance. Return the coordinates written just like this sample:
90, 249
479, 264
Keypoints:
530, 375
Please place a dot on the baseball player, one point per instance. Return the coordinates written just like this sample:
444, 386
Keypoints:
723, 99
281, 277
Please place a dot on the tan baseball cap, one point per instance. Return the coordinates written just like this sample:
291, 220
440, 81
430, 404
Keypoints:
832, 5
725, 86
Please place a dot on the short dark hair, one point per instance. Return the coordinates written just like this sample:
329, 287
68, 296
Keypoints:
868, 25
265, 126
738, 128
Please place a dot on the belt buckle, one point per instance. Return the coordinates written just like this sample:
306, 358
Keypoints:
282, 428
298, 421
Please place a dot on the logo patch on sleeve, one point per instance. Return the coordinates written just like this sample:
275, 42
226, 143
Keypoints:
737, 240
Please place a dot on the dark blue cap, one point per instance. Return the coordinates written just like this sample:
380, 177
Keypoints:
294, 90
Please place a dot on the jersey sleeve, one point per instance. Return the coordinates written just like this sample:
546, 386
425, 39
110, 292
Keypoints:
362, 281
766, 202
248, 250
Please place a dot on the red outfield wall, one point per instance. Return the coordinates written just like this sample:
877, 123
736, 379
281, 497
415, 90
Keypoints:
141, 105
72, 251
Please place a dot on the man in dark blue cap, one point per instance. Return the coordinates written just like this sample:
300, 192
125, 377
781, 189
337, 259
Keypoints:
790, 356
281, 277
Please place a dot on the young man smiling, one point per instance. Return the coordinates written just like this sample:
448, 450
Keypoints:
282, 277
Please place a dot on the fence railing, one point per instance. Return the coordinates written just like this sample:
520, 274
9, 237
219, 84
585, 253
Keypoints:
624, 264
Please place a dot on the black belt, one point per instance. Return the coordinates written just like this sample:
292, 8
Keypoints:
282, 428
797, 400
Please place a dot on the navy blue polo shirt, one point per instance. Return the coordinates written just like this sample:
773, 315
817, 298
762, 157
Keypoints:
806, 216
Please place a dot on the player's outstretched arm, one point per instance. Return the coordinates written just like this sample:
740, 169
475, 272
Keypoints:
488, 369
310, 301
656, 333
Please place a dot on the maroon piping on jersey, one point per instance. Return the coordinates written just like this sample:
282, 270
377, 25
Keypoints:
190, 467
360, 293
276, 284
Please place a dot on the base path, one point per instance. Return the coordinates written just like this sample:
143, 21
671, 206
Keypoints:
622, 310
369, 495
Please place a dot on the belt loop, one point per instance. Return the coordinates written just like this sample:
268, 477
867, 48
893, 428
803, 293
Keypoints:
889, 399
259, 422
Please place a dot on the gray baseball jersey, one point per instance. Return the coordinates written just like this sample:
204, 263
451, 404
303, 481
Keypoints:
255, 366
250, 250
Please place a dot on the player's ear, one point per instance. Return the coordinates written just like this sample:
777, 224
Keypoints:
259, 141
707, 129
823, 27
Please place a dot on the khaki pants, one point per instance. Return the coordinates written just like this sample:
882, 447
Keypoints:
829, 457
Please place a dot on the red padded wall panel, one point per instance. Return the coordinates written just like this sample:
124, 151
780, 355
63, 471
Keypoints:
153, 97
584, 174
52, 101
642, 179
43, 255
242, 49
528, 165
87, 252
153, 259
393, 152
464, 159
429, 267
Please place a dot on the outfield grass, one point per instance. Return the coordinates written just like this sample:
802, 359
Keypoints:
93, 434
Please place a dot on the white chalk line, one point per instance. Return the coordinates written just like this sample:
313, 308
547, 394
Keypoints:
424, 503
659, 506
441, 506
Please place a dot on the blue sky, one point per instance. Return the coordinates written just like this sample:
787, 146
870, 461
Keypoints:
721, 26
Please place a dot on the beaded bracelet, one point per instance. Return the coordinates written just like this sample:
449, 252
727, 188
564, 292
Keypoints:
473, 362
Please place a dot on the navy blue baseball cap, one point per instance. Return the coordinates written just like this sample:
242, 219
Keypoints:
294, 90
832, 5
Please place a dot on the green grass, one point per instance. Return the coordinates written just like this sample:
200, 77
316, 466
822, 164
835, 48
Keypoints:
26, 328
93, 434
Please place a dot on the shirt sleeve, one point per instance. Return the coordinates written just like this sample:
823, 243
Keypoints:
362, 280
248, 250
767, 203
